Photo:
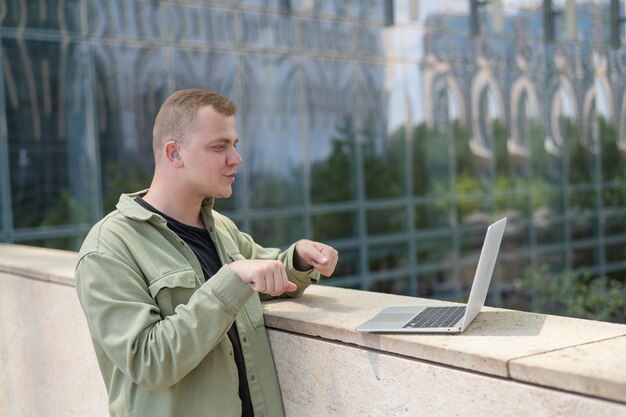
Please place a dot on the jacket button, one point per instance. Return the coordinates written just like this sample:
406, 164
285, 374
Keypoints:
252, 377
244, 339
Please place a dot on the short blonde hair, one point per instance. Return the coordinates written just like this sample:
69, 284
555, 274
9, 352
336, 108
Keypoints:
179, 111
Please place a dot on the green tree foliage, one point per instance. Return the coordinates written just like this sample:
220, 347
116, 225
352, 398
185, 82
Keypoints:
275, 190
613, 164
579, 295
121, 177
66, 211
449, 177
333, 179
383, 163
431, 161
581, 160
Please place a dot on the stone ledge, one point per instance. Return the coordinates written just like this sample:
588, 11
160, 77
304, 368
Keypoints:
580, 356
362, 382
523, 346
595, 369
50, 265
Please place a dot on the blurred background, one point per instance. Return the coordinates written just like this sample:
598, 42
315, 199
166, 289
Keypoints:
395, 130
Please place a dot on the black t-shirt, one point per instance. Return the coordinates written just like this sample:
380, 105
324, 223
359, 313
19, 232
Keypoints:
200, 242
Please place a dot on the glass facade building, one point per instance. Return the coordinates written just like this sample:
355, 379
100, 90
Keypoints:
394, 130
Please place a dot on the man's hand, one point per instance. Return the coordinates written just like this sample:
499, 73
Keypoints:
309, 254
264, 276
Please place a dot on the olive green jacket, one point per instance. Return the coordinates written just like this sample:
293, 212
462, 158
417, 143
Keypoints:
159, 330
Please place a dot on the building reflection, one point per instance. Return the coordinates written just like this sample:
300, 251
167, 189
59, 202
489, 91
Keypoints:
396, 130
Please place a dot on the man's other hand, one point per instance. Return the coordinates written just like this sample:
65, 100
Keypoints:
309, 254
268, 277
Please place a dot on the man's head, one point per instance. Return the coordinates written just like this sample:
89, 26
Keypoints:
194, 141
179, 112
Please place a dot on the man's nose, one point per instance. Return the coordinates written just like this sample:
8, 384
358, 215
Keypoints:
234, 158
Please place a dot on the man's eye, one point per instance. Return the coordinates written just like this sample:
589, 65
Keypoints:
219, 147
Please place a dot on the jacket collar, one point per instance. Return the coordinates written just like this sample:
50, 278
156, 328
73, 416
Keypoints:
131, 209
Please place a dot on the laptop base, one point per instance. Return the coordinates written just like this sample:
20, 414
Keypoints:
394, 320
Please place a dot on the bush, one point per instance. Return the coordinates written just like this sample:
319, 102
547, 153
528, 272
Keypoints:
578, 295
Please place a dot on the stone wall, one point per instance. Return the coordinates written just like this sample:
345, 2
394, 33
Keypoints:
506, 363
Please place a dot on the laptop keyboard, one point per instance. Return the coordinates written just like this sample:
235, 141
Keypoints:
433, 317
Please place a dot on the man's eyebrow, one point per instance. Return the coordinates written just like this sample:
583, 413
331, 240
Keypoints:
223, 140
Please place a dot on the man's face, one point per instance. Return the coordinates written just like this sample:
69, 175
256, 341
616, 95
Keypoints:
209, 155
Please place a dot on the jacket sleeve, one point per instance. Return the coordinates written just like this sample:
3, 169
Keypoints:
249, 249
125, 320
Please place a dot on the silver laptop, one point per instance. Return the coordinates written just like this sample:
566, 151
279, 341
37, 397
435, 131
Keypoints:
445, 318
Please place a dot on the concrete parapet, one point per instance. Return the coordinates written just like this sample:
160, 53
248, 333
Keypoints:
47, 363
507, 362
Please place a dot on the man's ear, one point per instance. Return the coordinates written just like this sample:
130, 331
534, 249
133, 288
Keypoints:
172, 149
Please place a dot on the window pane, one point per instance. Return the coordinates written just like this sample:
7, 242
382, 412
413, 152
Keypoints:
614, 196
130, 88
384, 221
435, 214
383, 149
581, 157
349, 263
550, 231
388, 257
431, 161
616, 253
278, 232
50, 155
553, 261
127, 19
472, 240
331, 131
613, 168
438, 284
472, 209
264, 30
328, 226
513, 268
583, 200
273, 119
514, 203
468, 182
391, 286
584, 258
584, 227
614, 224
435, 250
547, 203
45, 14
190, 23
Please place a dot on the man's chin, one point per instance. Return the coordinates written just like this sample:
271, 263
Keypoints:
225, 194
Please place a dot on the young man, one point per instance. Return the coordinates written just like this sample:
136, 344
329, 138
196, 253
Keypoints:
170, 288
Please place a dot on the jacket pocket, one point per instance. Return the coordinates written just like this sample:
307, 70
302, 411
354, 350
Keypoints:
173, 289
185, 278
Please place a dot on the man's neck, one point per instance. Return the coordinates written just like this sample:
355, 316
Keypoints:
175, 204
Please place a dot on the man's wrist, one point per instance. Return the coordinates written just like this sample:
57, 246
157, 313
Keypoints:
298, 263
